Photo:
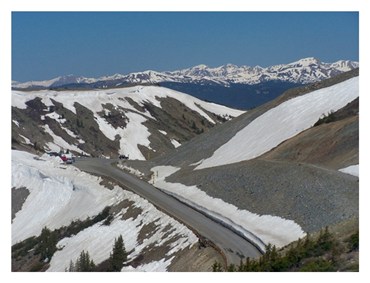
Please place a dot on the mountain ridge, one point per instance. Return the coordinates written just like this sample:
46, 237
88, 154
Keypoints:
304, 71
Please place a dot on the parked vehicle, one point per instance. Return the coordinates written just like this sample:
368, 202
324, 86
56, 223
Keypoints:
53, 153
122, 156
67, 156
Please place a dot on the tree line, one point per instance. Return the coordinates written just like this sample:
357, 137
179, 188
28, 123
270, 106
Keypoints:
311, 254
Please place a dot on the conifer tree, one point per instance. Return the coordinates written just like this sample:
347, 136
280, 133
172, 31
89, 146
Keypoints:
216, 267
71, 267
118, 256
47, 245
83, 264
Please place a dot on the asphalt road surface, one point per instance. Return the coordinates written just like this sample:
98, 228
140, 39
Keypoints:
231, 244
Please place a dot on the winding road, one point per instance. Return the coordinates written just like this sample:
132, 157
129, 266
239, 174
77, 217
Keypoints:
233, 246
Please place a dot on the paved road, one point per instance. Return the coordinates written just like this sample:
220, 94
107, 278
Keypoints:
231, 244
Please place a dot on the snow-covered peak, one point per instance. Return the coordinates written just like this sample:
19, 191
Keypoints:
306, 70
305, 62
56, 82
344, 65
200, 67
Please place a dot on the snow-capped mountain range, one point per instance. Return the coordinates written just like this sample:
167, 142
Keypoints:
303, 71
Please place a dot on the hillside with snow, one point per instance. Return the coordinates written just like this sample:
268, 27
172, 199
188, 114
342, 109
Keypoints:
139, 122
283, 122
271, 174
59, 195
275, 163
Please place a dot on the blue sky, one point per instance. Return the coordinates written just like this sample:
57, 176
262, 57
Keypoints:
93, 44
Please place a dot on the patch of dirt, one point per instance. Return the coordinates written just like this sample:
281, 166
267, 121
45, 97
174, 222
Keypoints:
132, 212
146, 231
29, 263
19, 196
334, 145
195, 259
151, 253
107, 183
135, 104
117, 208
115, 117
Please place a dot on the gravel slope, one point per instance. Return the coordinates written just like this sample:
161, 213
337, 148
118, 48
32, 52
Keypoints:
311, 196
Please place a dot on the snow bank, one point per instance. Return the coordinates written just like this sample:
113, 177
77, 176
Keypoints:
282, 122
58, 194
352, 170
130, 170
270, 229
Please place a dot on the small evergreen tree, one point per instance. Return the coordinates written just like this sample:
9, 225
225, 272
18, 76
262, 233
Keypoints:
231, 268
216, 267
118, 256
71, 267
83, 264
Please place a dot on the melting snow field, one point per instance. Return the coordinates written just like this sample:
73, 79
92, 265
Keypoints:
283, 122
352, 170
60, 194
135, 133
261, 229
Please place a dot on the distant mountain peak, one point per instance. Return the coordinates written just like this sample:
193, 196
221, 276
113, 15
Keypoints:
305, 70
310, 60
200, 66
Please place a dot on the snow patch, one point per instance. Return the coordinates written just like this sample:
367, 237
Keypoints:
26, 140
175, 143
352, 170
163, 132
134, 134
55, 116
